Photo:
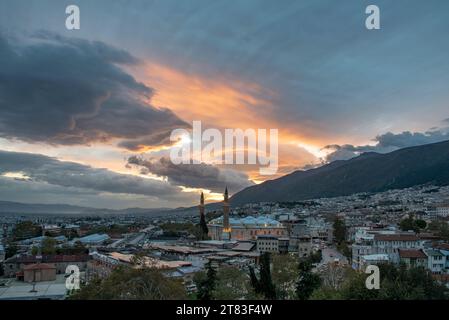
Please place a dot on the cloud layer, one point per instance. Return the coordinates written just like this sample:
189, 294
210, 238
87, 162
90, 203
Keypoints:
202, 175
76, 178
387, 142
68, 91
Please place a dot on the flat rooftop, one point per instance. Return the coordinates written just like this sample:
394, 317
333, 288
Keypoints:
19, 290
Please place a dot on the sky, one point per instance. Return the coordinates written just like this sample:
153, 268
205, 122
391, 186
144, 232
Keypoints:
86, 115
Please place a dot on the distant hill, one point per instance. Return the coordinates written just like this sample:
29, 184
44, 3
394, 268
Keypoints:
370, 172
34, 208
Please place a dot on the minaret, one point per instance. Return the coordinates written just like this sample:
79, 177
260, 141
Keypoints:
201, 206
203, 224
226, 234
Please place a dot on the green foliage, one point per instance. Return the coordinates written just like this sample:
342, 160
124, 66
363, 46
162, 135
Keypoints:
126, 283
11, 250
206, 285
397, 283
345, 250
264, 285
421, 224
77, 249
339, 231
112, 229
34, 251
233, 284
204, 230
412, 224
181, 229
25, 230
316, 257
441, 228
48, 246
284, 273
307, 281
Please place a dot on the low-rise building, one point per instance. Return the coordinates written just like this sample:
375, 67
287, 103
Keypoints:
39, 272
436, 261
248, 228
2, 253
267, 243
14, 265
358, 251
413, 257
301, 245
373, 259
391, 243
442, 210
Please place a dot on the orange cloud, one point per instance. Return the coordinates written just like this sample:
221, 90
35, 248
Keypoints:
224, 103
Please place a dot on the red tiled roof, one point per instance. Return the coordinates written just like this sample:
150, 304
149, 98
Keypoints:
410, 253
50, 259
38, 266
395, 237
444, 246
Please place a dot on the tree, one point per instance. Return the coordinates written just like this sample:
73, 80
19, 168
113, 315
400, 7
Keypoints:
48, 246
421, 224
316, 257
307, 281
284, 273
34, 251
11, 250
264, 285
207, 285
203, 227
233, 284
334, 275
411, 224
339, 231
397, 283
25, 230
125, 283
441, 228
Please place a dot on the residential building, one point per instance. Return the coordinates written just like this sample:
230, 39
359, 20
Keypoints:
436, 262
39, 272
391, 243
442, 210
2, 253
268, 243
373, 259
14, 265
248, 228
413, 257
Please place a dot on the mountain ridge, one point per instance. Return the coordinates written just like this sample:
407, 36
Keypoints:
373, 172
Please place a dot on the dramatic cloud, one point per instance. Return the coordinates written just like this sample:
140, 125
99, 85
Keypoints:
387, 142
194, 175
34, 168
71, 91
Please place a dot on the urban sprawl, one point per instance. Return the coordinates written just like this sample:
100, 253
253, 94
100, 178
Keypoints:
405, 228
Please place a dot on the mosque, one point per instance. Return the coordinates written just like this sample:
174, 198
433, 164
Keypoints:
247, 228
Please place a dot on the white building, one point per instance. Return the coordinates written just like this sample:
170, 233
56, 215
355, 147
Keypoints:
268, 244
358, 251
442, 210
436, 261
373, 259
248, 228
2, 253
391, 243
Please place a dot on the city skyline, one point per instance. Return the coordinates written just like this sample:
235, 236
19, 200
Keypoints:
102, 100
